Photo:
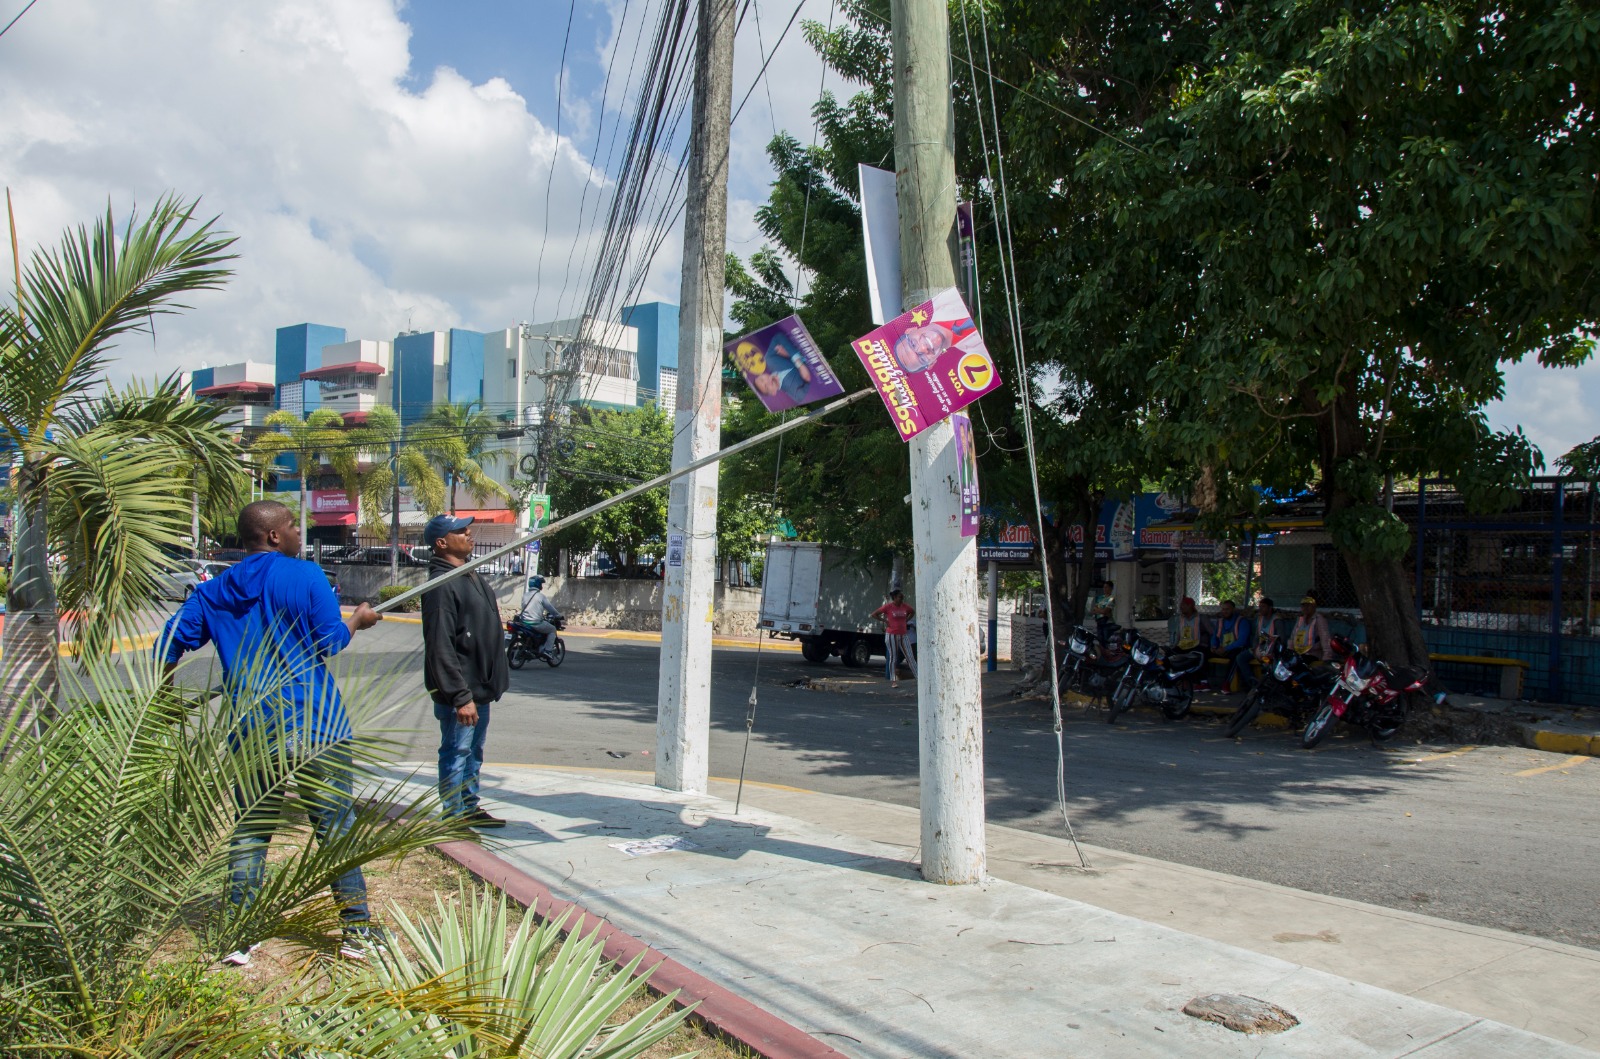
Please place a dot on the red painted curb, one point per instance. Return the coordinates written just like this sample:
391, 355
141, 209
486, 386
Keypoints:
760, 1031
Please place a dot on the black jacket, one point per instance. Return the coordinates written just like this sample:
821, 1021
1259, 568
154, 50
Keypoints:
463, 644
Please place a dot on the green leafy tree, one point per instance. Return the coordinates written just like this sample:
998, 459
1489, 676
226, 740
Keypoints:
605, 452
1340, 228
71, 306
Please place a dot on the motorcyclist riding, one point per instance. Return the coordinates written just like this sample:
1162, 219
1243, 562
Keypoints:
534, 612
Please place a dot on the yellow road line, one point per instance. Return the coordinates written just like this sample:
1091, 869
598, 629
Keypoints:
637, 772
1457, 752
69, 648
1571, 762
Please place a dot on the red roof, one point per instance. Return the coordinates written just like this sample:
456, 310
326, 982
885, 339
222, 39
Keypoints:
235, 388
352, 367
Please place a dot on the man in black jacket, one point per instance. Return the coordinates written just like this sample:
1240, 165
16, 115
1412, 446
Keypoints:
463, 665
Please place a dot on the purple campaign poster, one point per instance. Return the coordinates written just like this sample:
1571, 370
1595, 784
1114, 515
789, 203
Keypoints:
783, 365
927, 363
967, 464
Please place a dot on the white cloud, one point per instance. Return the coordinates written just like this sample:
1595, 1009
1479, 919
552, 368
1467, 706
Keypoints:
358, 201
1556, 407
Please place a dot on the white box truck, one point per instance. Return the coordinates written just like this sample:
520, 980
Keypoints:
824, 597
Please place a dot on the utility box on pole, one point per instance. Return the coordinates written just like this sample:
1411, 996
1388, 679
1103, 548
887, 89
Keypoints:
683, 704
949, 687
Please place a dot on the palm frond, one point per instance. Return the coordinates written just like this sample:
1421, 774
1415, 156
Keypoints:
78, 298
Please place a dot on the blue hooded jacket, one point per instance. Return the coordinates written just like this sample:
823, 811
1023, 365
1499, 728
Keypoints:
274, 620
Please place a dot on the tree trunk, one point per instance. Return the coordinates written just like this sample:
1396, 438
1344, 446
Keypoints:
302, 509
1394, 629
30, 654
1089, 504
1054, 550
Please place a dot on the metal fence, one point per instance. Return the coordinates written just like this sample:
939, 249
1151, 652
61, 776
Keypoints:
1516, 585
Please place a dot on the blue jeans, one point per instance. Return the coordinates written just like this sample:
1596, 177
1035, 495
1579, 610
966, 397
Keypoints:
330, 805
460, 757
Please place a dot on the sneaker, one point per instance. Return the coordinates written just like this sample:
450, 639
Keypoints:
241, 957
360, 943
484, 818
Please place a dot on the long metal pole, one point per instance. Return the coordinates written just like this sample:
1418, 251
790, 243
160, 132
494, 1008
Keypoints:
627, 494
683, 696
949, 688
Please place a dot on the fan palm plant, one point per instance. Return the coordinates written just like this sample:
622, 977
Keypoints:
455, 438
115, 826
72, 304
307, 439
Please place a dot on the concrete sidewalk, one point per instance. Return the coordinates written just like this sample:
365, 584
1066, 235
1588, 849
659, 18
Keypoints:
810, 907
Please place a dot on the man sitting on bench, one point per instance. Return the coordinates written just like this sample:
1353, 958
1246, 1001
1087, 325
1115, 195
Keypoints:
1230, 642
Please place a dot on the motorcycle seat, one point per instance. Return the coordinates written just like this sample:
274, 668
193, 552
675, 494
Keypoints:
1407, 675
1186, 660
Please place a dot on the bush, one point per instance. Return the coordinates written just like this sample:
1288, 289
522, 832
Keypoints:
388, 592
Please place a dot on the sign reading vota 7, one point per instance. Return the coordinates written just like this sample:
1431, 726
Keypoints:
928, 363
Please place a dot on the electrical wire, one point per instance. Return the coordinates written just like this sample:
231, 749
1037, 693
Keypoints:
14, 21
1008, 277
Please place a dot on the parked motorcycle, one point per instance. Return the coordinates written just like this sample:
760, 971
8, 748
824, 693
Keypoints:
1369, 693
1091, 666
523, 643
1156, 676
1289, 684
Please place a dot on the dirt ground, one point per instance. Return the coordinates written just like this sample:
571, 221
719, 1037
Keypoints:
412, 884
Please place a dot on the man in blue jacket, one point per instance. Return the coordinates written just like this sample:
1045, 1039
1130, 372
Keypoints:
274, 621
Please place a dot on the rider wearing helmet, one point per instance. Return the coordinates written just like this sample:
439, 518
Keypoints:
534, 611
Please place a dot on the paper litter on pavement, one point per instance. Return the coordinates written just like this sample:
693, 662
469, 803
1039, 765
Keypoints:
650, 846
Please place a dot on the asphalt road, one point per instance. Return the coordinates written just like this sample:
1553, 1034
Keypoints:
1497, 836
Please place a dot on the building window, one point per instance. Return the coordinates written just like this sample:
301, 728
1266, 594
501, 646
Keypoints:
511, 367
669, 389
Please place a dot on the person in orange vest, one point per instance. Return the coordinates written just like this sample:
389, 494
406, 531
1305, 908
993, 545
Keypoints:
1310, 634
1230, 640
1188, 629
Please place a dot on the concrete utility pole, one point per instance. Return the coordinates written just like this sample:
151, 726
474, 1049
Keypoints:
949, 692
683, 705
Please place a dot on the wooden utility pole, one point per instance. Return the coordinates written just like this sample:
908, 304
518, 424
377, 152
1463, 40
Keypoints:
683, 704
949, 691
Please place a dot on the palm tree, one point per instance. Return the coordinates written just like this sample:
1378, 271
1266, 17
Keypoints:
307, 440
115, 826
381, 450
72, 304
124, 463
456, 439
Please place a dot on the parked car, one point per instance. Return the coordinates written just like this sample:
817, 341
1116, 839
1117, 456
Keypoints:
176, 581
213, 568
228, 555
381, 554
352, 553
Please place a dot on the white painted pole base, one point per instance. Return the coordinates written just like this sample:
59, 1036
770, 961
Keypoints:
949, 681
683, 704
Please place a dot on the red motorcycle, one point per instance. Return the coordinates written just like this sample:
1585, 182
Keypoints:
1369, 693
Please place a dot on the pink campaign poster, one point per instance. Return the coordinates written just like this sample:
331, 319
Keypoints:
967, 462
928, 363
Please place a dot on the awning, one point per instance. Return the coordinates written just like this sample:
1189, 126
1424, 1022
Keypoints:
353, 367
333, 518
232, 388
495, 515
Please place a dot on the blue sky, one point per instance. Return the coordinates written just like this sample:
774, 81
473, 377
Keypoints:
386, 164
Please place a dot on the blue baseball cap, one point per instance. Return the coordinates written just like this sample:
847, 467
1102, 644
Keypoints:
440, 525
